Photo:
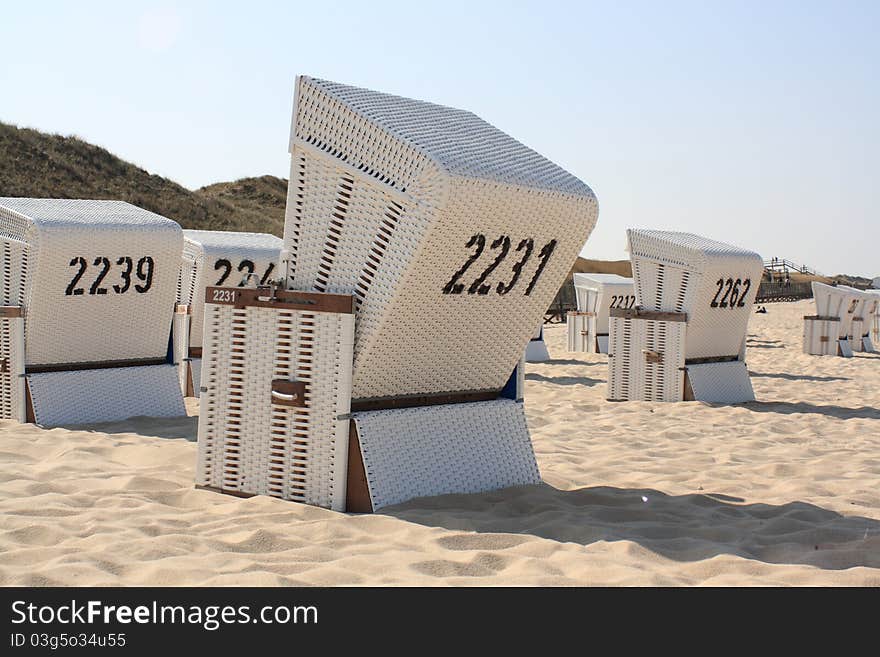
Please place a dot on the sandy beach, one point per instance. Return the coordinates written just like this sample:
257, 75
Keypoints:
783, 491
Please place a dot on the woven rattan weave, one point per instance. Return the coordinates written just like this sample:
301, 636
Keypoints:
95, 282
422, 210
714, 286
839, 303
451, 239
597, 294
216, 258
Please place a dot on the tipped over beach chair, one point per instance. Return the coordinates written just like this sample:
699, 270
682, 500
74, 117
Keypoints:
88, 291
596, 295
685, 339
829, 331
422, 247
215, 258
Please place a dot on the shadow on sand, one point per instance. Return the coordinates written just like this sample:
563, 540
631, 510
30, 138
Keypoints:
181, 428
796, 377
572, 361
680, 527
839, 412
764, 344
564, 380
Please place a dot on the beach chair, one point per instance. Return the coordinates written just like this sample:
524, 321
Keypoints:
213, 259
422, 247
685, 338
829, 331
874, 318
596, 295
862, 321
536, 349
88, 292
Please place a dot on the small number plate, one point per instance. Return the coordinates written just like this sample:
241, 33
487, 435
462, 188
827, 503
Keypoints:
224, 295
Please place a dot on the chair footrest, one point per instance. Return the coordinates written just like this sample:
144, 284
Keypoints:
105, 395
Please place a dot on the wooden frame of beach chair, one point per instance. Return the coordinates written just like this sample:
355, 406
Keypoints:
449, 239
685, 340
213, 259
829, 331
597, 295
93, 283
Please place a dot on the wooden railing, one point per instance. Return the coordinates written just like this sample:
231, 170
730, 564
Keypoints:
565, 300
783, 265
781, 291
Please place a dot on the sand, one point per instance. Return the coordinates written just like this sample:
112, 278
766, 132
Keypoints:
784, 491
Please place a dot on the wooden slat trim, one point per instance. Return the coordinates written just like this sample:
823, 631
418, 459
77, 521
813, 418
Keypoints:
226, 491
411, 401
652, 315
357, 490
105, 365
711, 359
283, 299
10, 311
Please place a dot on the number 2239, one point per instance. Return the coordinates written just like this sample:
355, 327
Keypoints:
143, 273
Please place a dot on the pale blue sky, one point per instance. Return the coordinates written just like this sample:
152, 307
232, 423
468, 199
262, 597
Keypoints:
750, 122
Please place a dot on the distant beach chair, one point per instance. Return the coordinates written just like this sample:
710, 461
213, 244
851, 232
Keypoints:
88, 292
875, 319
862, 320
685, 338
213, 259
829, 331
596, 295
422, 247
536, 349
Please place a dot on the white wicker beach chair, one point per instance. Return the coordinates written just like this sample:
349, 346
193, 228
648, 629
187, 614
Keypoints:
452, 238
88, 291
215, 258
829, 331
862, 320
685, 339
596, 295
536, 349
875, 318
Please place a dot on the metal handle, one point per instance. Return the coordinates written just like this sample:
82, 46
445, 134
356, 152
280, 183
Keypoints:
288, 393
652, 356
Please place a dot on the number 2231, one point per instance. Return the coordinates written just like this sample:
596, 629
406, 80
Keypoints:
502, 245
